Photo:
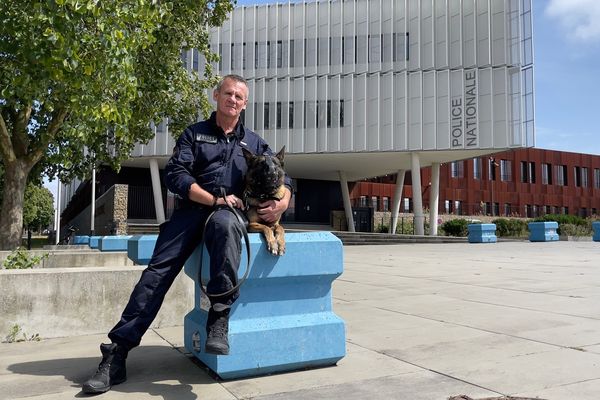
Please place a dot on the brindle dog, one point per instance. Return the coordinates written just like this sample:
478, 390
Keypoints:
264, 181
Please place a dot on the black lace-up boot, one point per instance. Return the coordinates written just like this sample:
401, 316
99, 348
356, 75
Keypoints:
217, 329
111, 370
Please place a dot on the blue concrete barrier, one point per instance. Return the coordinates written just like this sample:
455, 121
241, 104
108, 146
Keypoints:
81, 240
140, 248
543, 231
482, 233
283, 319
113, 243
95, 241
596, 228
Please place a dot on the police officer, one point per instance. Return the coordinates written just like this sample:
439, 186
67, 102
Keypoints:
208, 156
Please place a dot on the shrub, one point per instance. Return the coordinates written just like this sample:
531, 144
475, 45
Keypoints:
562, 219
575, 230
510, 227
21, 259
456, 227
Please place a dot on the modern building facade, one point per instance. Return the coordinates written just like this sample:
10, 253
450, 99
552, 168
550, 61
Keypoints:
356, 89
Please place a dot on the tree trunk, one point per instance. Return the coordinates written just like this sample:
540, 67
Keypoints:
11, 216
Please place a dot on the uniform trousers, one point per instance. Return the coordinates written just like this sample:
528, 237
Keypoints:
176, 241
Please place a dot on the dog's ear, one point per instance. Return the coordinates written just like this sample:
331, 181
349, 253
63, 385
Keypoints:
281, 154
248, 155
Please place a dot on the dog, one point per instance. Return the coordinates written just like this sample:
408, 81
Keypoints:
263, 182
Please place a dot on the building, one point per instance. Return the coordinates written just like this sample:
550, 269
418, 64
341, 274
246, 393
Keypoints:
362, 88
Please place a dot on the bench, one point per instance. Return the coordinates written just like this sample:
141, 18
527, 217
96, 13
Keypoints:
113, 243
283, 319
140, 248
596, 228
81, 240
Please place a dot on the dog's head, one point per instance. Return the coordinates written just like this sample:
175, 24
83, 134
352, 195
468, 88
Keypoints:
265, 174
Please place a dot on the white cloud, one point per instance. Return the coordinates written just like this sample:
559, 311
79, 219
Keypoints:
579, 18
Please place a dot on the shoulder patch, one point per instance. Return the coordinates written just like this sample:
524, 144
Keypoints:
202, 137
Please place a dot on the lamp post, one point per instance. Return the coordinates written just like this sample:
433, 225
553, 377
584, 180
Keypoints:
493, 165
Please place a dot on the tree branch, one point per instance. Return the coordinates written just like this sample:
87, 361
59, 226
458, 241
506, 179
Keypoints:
6, 149
58, 119
20, 138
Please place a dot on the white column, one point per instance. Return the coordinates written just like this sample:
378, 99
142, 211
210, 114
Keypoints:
397, 200
57, 224
434, 199
93, 203
346, 198
156, 191
416, 191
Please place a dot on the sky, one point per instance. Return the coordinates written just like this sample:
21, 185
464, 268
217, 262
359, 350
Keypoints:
566, 36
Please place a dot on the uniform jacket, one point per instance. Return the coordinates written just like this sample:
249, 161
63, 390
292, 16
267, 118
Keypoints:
204, 155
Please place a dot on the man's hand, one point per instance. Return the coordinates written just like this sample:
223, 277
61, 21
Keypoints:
270, 211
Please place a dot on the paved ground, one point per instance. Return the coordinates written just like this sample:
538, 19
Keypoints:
423, 321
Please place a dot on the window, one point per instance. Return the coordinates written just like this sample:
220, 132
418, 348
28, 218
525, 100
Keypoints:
374, 202
448, 206
406, 204
458, 207
546, 174
477, 168
577, 176
291, 115
596, 178
507, 208
220, 56
561, 175
527, 172
341, 112
291, 53
278, 120
584, 177
524, 171
362, 202
456, 169
255, 113
385, 204
329, 113
492, 164
244, 56
279, 54
266, 115
505, 170
268, 54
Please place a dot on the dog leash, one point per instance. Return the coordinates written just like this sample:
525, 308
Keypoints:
244, 232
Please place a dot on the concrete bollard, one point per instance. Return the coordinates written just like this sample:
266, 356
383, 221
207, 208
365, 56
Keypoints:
482, 233
113, 243
543, 231
140, 248
283, 319
596, 228
81, 240
95, 241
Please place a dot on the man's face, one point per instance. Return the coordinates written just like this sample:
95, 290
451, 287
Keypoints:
231, 98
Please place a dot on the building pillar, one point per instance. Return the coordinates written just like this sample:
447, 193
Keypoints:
346, 198
93, 204
57, 219
419, 222
434, 199
397, 200
156, 191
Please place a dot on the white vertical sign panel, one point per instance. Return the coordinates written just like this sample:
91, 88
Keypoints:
373, 129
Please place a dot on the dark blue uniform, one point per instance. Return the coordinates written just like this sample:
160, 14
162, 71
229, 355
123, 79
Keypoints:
203, 155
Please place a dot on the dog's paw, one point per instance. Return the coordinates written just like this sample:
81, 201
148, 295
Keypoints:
272, 248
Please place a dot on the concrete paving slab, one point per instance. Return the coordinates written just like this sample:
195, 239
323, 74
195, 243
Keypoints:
423, 321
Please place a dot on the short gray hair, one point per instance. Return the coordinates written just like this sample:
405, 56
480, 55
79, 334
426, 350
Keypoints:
233, 77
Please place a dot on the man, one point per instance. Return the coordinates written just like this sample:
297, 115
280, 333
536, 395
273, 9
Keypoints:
208, 156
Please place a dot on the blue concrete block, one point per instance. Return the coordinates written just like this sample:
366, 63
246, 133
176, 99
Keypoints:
140, 248
543, 231
81, 240
596, 228
113, 243
283, 319
95, 241
482, 233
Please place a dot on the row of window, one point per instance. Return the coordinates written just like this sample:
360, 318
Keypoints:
385, 47
581, 176
322, 112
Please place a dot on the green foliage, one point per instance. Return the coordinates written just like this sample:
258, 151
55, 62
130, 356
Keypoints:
16, 334
456, 227
38, 208
510, 227
80, 81
22, 259
576, 230
562, 219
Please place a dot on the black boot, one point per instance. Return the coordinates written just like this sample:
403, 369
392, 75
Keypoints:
111, 370
217, 328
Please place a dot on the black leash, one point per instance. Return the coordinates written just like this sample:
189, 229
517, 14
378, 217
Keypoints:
245, 233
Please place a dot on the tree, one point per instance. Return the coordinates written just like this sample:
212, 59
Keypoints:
38, 207
80, 81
